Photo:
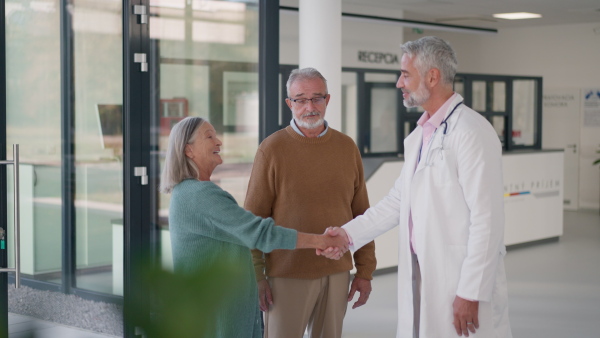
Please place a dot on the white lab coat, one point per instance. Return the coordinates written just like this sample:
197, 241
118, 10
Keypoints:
457, 203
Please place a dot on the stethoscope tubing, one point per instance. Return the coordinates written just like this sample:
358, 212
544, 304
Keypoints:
445, 123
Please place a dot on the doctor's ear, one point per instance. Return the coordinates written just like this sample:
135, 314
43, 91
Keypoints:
433, 77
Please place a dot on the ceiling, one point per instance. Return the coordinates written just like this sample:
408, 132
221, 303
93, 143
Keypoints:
478, 13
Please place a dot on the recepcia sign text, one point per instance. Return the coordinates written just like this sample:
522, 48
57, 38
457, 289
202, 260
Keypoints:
377, 57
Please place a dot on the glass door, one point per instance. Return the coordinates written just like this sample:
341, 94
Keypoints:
381, 123
64, 96
31, 117
383, 118
206, 64
202, 60
98, 137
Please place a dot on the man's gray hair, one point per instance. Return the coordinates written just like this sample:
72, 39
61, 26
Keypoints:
178, 166
304, 74
432, 52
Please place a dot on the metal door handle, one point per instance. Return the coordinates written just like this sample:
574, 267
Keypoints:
17, 218
574, 146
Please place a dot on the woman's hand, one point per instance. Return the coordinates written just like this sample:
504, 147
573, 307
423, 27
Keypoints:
334, 243
333, 251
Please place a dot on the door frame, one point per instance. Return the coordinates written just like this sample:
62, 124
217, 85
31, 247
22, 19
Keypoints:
136, 138
3, 188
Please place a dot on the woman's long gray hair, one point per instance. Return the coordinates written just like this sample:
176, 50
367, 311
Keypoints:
178, 166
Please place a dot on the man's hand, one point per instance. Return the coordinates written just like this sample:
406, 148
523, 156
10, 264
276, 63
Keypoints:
264, 295
465, 316
364, 287
335, 241
333, 252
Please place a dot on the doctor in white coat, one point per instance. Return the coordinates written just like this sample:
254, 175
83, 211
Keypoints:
448, 204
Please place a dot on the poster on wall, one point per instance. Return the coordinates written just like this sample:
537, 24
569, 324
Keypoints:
591, 108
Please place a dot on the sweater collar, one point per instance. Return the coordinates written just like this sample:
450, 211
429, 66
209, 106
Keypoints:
324, 137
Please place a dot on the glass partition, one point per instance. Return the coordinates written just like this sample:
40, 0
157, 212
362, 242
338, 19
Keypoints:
384, 120
524, 112
382, 113
98, 98
498, 122
479, 96
33, 120
207, 57
38, 69
499, 96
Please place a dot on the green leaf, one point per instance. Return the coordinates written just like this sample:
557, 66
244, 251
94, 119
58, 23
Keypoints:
184, 303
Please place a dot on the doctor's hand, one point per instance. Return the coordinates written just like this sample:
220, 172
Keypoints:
333, 252
465, 316
265, 298
335, 244
364, 287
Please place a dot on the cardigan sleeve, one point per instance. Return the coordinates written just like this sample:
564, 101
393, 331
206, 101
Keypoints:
210, 211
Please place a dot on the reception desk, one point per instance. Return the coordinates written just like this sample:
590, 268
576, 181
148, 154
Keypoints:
533, 198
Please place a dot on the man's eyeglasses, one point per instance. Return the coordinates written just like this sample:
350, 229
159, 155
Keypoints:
314, 100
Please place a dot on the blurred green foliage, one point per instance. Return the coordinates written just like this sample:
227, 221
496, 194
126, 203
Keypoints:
183, 305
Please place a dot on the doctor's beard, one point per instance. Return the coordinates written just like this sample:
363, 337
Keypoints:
309, 125
418, 97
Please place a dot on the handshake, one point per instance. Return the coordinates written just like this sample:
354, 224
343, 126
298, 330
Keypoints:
335, 243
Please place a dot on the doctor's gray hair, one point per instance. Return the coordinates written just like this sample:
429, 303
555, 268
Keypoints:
178, 166
304, 74
432, 52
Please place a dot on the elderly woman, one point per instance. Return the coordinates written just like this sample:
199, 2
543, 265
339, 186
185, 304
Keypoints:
207, 224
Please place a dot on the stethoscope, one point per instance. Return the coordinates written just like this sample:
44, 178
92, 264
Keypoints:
445, 123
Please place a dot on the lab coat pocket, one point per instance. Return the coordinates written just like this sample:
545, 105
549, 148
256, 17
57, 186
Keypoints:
454, 258
442, 167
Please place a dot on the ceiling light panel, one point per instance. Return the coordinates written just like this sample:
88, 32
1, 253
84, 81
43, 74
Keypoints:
517, 16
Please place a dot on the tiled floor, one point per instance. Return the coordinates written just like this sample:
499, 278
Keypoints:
554, 292
26, 327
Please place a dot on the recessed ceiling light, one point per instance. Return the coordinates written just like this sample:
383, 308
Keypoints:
517, 16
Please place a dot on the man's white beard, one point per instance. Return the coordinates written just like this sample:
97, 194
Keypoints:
308, 125
418, 97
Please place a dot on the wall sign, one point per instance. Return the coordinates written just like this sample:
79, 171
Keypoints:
377, 57
591, 108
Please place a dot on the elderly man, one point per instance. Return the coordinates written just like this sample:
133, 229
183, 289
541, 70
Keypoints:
308, 176
448, 203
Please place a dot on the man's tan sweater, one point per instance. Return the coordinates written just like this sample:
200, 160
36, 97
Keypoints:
308, 184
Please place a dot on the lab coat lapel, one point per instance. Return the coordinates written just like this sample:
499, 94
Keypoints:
412, 147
